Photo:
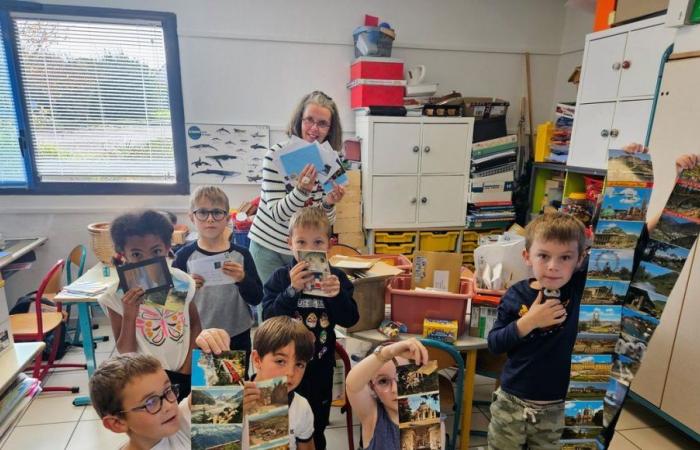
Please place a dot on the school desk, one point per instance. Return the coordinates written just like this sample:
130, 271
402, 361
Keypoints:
466, 345
96, 273
15, 249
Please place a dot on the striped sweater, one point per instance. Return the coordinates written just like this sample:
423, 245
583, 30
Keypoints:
279, 200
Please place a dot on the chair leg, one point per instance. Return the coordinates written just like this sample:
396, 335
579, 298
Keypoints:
348, 423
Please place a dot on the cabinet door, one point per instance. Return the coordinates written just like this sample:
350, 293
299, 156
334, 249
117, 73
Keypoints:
444, 148
441, 201
393, 202
601, 69
589, 140
630, 123
643, 53
395, 148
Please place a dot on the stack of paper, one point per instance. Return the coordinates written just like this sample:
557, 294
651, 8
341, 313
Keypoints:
561, 138
297, 153
15, 400
84, 288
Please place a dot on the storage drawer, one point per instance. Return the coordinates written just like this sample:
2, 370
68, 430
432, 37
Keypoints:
395, 237
438, 241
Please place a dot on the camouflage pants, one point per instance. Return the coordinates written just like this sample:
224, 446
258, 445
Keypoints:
516, 424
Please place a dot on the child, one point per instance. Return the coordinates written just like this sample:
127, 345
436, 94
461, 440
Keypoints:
283, 347
160, 324
132, 394
372, 391
309, 230
222, 306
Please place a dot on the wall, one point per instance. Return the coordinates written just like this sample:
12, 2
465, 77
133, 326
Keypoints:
248, 62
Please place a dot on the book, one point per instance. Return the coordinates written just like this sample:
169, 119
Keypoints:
319, 268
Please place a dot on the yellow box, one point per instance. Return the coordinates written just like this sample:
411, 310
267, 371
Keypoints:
438, 241
354, 240
441, 330
470, 236
395, 237
347, 225
469, 246
467, 257
544, 135
394, 249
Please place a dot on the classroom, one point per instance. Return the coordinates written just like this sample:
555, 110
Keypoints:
395, 224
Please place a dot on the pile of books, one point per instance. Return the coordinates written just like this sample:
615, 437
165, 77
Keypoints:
561, 137
15, 400
490, 197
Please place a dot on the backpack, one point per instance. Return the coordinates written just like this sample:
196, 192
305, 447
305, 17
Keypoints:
25, 304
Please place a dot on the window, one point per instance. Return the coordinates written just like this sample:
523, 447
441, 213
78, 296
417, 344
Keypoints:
101, 101
12, 171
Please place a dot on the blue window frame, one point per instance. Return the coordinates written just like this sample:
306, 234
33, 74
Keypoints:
97, 101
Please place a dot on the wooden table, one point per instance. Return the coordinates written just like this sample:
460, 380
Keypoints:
466, 344
95, 274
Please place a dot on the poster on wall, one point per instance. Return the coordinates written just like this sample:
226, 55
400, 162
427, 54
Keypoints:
228, 154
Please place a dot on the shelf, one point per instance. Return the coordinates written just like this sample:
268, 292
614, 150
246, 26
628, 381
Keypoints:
565, 168
14, 360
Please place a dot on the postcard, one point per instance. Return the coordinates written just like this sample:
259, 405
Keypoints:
625, 203
675, 230
617, 234
624, 369
217, 405
273, 395
590, 367
225, 369
318, 266
594, 343
638, 324
599, 319
684, 201
583, 413
151, 275
604, 292
428, 437
413, 380
419, 409
587, 390
654, 278
646, 301
610, 264
209, 267
631, 167
614, 397
665, 255
579, 444
205, 437
269, 429
630, 346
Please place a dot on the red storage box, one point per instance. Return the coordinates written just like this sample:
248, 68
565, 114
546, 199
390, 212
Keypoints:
375, 93
374, 68
411, 307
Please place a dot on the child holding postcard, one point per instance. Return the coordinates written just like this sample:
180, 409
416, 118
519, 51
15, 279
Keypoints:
164, 322
225, 274
287, 293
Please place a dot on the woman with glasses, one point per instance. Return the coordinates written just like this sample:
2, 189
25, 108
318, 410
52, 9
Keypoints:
314, 119
372, 391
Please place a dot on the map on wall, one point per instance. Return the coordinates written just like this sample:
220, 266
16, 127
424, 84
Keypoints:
230, 154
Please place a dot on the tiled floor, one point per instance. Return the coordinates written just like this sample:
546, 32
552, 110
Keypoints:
53, 423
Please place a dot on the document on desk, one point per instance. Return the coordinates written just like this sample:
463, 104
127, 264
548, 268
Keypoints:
210, 267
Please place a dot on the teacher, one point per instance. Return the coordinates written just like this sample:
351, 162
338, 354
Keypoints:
314, 119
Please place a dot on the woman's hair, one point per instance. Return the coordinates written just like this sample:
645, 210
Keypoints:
140, 223
335, 132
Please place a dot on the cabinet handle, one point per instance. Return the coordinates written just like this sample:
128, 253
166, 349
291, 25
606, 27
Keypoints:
626, 64
616, 66
605, 133
414, 200
424, 200
427, 149
614, 132
416, 149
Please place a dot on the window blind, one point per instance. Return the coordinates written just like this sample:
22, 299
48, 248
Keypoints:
12, 169
97, 100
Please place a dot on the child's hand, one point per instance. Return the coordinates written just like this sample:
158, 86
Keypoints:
251, 397
331, 285
687, 161
635, 147
542, 314
213, 340
234, 270
335, 195
198, 280
299, 276
408, 349
132, 300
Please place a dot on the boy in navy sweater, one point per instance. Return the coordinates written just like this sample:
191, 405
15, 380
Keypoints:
309, 229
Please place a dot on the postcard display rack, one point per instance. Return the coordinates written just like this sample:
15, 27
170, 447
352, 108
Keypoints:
620, 309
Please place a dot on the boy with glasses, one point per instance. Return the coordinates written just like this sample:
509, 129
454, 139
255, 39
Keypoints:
221, 305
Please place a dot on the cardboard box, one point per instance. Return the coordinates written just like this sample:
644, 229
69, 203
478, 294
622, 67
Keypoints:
345, 210
437, 271
490, 191
347, 225
354, 240
354, 178
629, 10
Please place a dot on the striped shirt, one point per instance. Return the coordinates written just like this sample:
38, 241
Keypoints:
279, 200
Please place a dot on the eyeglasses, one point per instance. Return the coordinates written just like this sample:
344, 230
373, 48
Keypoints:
203, 214
384, 384
321, 124
154, 403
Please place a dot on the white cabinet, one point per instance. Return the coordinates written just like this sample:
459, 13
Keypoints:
620, 69
414, 170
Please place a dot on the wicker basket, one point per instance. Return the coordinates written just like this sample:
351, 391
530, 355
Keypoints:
101, 242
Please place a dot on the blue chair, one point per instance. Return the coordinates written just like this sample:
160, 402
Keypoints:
76, 259
446, 356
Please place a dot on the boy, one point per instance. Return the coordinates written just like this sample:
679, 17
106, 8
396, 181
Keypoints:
283, 347
132, 394
161, 324
309, 229
223, 306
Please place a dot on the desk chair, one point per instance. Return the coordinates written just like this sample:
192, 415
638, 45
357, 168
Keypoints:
446, 356
33, 326
343, 403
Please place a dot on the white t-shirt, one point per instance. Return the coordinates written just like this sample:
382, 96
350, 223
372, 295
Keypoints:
163, 322
301, 423
181, 439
